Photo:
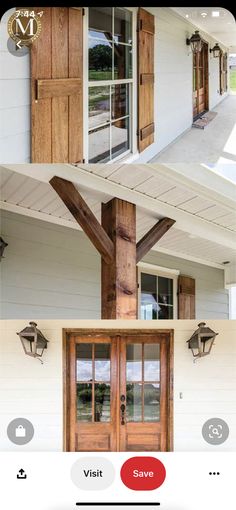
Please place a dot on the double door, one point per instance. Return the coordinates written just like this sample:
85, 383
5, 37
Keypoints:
118, 392
200, 81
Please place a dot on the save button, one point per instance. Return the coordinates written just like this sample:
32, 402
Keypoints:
143, 473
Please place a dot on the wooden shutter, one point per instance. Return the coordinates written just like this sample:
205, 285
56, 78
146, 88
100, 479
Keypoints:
56, 88
186, 297
146, 30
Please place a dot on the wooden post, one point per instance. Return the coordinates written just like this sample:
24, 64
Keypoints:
119, 286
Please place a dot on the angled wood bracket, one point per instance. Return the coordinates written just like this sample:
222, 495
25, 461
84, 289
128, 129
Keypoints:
84, 216
152, 237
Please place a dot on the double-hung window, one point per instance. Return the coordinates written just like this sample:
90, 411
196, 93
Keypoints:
157, 295
110, 83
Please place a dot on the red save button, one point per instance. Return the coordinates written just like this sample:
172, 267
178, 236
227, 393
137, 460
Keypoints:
143, 473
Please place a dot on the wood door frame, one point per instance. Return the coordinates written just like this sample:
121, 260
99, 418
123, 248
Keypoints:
86, 332
206, 79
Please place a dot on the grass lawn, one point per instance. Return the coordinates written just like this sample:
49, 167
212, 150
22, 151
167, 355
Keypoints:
233, 80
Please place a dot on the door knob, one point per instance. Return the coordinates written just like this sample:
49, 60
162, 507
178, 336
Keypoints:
122, 398
122, 408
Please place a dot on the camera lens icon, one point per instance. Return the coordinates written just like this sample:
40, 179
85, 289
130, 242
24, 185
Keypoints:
215, 431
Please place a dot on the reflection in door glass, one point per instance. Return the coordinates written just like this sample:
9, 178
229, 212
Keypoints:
102, 402
151, 362
134, 402
151, 402
84, 367
134, 362
84, 402
102, 362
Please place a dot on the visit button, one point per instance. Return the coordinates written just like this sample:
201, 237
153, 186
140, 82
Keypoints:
143, 473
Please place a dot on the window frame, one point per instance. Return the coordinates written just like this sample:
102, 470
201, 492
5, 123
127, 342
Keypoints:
132, 85
164, 273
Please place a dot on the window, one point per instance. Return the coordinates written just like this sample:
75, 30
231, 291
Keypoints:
157, 296
110, 82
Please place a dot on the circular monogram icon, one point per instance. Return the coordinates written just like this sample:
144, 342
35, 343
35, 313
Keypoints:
215, 431
24, 27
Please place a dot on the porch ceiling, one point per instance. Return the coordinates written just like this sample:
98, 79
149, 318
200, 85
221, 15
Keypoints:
205, 218
216, 21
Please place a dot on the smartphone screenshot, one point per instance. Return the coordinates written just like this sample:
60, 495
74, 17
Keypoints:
117, 258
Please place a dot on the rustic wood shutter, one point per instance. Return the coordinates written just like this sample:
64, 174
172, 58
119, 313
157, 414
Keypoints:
186, 297
56, 88
146, 31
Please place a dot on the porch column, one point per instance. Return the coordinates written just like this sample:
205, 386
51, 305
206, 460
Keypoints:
119, 286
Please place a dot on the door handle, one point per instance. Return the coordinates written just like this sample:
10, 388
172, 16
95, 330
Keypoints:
122, 408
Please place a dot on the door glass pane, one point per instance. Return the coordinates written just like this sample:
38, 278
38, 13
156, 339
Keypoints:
133, 402
148, 296
123, 25
134, 362
165, 291
99, 106
100, 60
152, 362
102, 362
84, 369
102, 402
151, 402
120, 137
99, 145
84, 402
122, 62
100, 22
119, 100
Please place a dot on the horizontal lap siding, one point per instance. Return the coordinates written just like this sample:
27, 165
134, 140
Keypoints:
14, 102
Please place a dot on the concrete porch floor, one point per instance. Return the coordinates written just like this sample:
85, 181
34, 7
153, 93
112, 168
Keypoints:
214, 144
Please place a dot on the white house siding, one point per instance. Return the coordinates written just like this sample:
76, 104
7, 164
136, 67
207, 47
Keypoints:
14, 101
51, 271
173, 88
34, 391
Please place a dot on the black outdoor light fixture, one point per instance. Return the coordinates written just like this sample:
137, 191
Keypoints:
33, 341
3, 245
195, 42
201, 341
216, 50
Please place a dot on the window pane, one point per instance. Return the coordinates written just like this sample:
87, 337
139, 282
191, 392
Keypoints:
84, 402
99, 145
102, 362
134, 362
102, 402
165, 291
119, 137
84, 370
151, 362
100, 22
165, 312
151, 402
133, 402
100, 60
148, 296
122, 62
99, 106
119, 100
123, 25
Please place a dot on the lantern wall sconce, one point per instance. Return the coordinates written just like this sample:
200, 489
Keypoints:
216, 50
3, 245
201, 341
195, 42
33, 341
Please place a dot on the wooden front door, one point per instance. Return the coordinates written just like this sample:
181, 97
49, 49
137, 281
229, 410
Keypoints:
118, 391
200, 81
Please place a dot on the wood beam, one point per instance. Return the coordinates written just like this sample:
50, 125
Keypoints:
152, 237
119, 286
84, 216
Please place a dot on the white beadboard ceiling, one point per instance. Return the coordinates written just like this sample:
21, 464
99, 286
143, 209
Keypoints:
35, 197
